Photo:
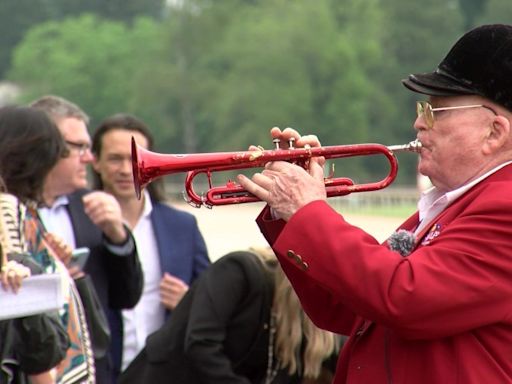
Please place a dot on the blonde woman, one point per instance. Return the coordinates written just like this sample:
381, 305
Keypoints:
240, 323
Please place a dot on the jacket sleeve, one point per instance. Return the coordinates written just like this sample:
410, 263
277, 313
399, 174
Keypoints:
315, 298
41, 343
125, 277
117, 276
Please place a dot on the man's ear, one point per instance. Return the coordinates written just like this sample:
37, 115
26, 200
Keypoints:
498, 134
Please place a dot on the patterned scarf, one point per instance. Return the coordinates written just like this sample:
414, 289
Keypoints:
78, 365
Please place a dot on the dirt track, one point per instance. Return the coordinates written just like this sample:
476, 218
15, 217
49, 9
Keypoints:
231, 228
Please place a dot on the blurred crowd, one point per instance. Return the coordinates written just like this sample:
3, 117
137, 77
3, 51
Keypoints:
141, 300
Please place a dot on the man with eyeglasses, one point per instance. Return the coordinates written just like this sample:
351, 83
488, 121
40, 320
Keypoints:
433, 304
90, 219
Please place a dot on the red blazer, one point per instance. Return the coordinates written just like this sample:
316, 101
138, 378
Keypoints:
441, 315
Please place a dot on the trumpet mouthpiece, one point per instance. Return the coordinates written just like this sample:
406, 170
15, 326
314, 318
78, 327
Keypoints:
413, 146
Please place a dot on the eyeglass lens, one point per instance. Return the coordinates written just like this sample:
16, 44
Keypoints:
424, 109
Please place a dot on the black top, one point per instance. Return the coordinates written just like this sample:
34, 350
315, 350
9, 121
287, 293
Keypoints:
219, 333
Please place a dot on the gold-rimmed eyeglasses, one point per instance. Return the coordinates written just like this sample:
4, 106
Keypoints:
81, 148
425, 109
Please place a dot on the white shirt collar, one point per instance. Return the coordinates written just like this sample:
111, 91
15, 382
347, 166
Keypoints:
56, 219
59, 202
148, 205
433, 202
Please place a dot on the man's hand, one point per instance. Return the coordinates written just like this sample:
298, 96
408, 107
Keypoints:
104, 211
299, 141
287, 187
172, 290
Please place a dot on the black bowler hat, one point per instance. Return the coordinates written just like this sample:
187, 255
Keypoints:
480, 63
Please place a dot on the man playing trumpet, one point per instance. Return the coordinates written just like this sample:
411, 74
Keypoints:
441, 311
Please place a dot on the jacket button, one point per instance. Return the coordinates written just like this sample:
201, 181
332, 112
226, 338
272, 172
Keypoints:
290, 254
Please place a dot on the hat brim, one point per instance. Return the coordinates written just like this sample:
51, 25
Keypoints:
436, 84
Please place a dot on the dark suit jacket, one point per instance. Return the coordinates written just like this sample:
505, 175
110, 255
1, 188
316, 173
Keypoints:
218, 333
182, 252
118, 280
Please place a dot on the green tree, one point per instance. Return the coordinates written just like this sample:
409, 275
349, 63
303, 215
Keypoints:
18, 16
86, 59
216, 75
472, 9
230, 70
241, 75
411, 44
15, 18
496, 11
121, 10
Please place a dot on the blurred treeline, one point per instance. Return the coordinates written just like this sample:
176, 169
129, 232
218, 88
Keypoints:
215, 75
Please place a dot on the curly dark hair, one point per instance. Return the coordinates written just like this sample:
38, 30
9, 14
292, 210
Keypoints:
30, 145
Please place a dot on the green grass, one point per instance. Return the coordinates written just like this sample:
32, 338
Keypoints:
378, 210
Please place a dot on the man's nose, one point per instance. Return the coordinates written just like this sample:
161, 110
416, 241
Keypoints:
420, 124
87, 157
126, 165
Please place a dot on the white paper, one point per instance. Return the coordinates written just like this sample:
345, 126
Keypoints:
39, 293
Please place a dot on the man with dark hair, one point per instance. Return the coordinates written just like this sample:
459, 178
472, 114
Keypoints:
441, 312
91, 219
174, 250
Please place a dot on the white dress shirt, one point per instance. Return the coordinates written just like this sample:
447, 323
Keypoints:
56, 220
149, 313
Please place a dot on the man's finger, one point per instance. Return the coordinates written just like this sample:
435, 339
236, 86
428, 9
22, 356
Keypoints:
253, 188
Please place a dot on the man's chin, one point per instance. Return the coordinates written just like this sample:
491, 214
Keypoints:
124, 192
81, 184
424, 167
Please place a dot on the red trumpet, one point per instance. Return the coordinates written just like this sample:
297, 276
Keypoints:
148, 165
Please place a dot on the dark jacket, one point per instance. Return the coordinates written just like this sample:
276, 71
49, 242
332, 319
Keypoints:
217, 334
118, 280
30, 345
